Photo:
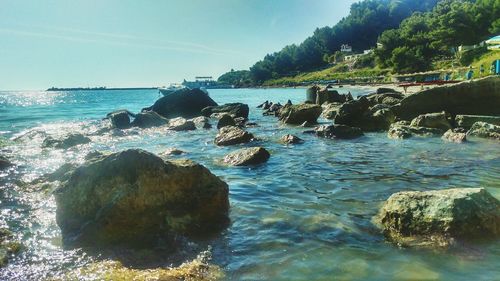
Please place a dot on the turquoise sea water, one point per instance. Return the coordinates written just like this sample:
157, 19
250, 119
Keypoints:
304, 215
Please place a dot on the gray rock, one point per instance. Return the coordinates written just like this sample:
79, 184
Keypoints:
202, 122
338, 132
233, 109
186, 103
398, 131
484, 130
330, 110
430, 217
120, 119
181, 124
133, 197
298, 114
149, 119
66, 141
247, 156
432, 120
291, 139
226, 120
466, 121
231, 135
455, 136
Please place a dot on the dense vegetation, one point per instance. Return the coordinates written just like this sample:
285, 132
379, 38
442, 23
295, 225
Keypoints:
360, 29
425, 37
414, 35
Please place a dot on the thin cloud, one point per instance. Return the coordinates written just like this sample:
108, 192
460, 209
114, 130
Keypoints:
123, 40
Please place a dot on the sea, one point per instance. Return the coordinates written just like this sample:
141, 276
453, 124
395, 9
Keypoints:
306, 214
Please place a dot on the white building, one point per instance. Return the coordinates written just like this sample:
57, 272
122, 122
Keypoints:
345, 48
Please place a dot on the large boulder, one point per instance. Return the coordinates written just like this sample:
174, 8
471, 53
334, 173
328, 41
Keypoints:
466, 121
484, 130
298, 114
247, 156
120, 119
475, 97
420, 218
432, 120
186, 103
134, 196
181, 124
388, 98
148, 119
66, 141
233, 109
338, 132
231, 135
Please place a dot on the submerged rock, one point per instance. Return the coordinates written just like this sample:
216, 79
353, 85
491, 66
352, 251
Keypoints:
133, 196
186, 103
181, 124
475, 97
298, 114
148, 119
484, 130
171, 151
231, 135
432, 120
430, 217
338, 132
120, 119
66, 141
8, 246
466, 121
226, 120
247, 156
233, 109
291, 139
199, 269
4, 162
453, 135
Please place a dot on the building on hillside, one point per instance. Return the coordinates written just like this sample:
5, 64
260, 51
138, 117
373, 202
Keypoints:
345, 48
367, 52
380, 45
494, 43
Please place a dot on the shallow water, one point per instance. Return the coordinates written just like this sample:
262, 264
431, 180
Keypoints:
305, 215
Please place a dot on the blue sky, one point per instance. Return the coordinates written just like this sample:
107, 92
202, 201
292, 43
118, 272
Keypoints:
146, 42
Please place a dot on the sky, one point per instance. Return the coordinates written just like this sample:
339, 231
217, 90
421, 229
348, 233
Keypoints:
139, 43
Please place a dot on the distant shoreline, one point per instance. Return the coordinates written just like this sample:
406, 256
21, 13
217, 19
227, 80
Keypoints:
99, 89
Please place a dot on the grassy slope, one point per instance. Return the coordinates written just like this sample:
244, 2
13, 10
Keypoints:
339, 72
486, 60
331, 73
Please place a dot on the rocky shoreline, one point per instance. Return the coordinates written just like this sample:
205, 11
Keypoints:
133, 196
